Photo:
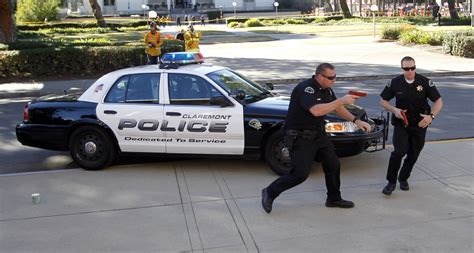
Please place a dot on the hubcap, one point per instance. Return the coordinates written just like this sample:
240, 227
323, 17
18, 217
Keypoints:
90, 147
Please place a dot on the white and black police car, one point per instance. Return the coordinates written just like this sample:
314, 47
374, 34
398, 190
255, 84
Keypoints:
180, 107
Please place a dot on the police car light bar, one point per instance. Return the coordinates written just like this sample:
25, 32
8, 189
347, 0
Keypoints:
182, 58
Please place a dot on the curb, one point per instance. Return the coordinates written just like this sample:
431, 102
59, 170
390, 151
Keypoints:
38, 93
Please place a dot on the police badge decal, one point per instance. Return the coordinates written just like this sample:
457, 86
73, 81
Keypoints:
254, 123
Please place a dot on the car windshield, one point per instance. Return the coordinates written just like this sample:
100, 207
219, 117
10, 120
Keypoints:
233, 82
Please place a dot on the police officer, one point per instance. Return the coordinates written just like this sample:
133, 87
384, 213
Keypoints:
153, 42
411, 91
310, 101
180, 35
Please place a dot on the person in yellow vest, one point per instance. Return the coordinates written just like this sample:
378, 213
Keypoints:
191, 40
153, 42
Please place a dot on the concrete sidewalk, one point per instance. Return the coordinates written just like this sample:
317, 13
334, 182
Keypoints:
214, 206
291, 58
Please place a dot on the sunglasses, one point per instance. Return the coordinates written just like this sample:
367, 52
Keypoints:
329, 77
409, 68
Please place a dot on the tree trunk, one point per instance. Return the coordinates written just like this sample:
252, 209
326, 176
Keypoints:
452, 10
7, 22
98, 13
345, 10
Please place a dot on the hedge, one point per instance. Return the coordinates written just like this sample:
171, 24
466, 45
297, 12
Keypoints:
420, 37
75, 60
63, 25
460, 44
253, 23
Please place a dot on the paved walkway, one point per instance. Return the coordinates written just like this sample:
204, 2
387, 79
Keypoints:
214, 206
291, 58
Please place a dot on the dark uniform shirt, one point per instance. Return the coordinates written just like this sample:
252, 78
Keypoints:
180, 36
411, 97
305, 95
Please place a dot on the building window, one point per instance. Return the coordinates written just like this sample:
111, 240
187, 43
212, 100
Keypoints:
109, 2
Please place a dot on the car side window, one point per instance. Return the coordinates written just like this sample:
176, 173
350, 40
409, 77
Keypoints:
139, 88
185, 89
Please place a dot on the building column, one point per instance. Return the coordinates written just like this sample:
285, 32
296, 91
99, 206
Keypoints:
168, 5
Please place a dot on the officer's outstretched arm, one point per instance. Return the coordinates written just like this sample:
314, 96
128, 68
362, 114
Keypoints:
323, 109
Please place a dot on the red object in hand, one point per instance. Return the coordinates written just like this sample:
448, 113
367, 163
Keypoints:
405, 119
358, 93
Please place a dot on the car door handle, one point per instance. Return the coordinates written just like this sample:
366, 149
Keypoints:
110, 112
173, 114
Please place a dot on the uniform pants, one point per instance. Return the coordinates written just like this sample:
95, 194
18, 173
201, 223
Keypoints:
302, 157
406, 141
152, 59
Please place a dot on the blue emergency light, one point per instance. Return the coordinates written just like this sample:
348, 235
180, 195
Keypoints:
182, 58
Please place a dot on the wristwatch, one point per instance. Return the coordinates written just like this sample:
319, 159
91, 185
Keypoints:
432, 116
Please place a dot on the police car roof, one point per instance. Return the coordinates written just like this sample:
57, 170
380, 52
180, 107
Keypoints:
107, 80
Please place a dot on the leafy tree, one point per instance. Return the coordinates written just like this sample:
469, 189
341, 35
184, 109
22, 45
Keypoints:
37, 10
7, 22
345, 9
98, 13
452, 10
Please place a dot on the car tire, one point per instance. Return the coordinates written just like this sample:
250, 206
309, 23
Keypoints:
91, 148
273, 155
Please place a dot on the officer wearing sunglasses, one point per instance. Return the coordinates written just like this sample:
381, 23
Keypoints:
411, 92
310, 101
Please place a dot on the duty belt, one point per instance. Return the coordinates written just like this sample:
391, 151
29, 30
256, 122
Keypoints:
305, 134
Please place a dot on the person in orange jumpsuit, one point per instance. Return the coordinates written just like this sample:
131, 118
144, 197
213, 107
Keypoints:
191, 40
153, 41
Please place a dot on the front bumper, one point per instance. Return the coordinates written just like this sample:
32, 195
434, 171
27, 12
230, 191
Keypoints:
41, 136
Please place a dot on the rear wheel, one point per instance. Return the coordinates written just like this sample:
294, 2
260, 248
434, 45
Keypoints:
91, 148
273, 155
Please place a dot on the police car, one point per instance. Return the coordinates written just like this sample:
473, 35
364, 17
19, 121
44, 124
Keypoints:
182, 106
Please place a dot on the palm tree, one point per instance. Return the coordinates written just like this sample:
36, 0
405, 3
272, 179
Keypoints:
98, 13
7, 22
345, 9
452, 10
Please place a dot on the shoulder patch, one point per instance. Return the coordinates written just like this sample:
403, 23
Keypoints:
430, 83
309, 90
389, 83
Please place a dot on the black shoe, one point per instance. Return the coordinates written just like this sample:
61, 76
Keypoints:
340, 203
388, 189
267, 202
404, 186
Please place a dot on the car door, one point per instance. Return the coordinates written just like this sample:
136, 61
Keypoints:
197, 126
133, 111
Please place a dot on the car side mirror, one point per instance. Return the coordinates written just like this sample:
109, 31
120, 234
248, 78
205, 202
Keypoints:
240, 94
220, 100
269, 86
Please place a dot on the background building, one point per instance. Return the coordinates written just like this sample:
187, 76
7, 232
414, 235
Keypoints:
129, 7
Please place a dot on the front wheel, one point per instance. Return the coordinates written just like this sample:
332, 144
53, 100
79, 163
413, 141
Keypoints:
273, 155
91, 148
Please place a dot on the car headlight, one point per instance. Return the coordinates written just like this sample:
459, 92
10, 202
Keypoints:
341, 127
